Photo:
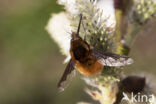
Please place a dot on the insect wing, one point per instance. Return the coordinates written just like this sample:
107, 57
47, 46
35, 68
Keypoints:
67, 76
111, 59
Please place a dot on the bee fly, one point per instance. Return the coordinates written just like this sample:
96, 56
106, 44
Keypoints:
87, 60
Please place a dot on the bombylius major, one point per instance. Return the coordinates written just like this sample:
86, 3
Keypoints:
87, 60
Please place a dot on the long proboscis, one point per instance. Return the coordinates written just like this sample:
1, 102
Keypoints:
78, 30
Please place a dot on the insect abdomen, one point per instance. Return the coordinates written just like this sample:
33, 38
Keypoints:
89, 70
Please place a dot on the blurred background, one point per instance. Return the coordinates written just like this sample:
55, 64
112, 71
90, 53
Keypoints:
31, 64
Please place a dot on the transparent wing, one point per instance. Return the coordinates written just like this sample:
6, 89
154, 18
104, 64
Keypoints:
111, 59
67, 76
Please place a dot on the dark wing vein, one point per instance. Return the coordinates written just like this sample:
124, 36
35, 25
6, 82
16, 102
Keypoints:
111, 59
69, 72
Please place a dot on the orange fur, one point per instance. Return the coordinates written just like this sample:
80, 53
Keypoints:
89, 70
